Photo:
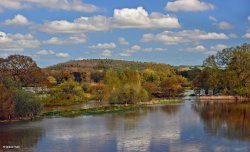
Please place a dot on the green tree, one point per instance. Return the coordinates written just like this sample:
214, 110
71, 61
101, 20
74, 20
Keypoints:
128, 94
68, 92
26, 105
112, 82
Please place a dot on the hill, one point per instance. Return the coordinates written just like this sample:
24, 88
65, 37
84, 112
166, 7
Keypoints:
104, 64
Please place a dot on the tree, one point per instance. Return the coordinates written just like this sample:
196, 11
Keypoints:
26, 105
6, 103
21, 68
98, 91
227, 72
128, 94
171, 87
68, 92
111, 81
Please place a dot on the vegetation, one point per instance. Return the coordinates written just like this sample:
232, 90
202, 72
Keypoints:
227, 72
68, 92
16, 103
22, 69
113, 81
91, 111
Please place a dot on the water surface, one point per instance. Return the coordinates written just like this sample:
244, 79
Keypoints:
191, 127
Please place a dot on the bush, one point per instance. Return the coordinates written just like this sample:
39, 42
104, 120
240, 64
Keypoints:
128, 94
68, 92
26, 105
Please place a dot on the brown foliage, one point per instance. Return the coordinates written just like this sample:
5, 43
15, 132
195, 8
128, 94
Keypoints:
6, 103
21, 68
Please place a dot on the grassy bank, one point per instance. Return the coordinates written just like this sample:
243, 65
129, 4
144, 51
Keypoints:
92, 111
163, 101
107, 109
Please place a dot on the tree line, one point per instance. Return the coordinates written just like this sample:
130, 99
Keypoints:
226, 73
72, 85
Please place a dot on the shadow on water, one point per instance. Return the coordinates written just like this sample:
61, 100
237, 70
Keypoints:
228, 120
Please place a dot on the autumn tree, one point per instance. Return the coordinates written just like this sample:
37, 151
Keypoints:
98, 91
21, 68
6, 103
111, 81
68, 92
227, 72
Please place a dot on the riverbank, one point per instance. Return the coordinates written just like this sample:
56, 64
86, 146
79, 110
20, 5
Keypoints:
107, 108
225, 98
96, 109
92, 111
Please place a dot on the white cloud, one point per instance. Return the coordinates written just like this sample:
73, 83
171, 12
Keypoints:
72, 5
50, 52
202, 49
131, 50
212, 18
123, 18
17, 42
66, 5
232, 35
82, 24
214, 49
247, 35
153, 49
18, 20
45, 52
103, 46
197, 49
168, 37
159, 49
224, 25
248, 18
123, 41
218, 47
140, 18
11, 4
125, 54
188, 6
135, 48
62, 55
106, 53
75, 39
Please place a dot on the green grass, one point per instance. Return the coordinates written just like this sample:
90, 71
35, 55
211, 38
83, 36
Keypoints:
163, 101
92, 111
107, 109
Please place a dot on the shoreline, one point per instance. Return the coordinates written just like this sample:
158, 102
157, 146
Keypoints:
97, 110
224, 97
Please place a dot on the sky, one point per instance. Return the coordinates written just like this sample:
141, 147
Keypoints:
177, 32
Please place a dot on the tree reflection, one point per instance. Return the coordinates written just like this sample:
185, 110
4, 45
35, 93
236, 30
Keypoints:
128, 119
26, 138
229, 120
171, 109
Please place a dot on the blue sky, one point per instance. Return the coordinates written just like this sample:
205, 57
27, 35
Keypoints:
177, 32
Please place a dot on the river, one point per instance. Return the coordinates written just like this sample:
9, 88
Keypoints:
191, 126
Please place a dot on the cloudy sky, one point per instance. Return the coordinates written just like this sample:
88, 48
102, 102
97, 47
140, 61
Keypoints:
178, 32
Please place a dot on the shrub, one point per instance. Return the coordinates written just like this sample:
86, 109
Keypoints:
68, 92
128, 94
26, 105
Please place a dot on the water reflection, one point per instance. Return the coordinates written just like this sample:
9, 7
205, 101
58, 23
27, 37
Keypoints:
177, 127
228, 120
21, 134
